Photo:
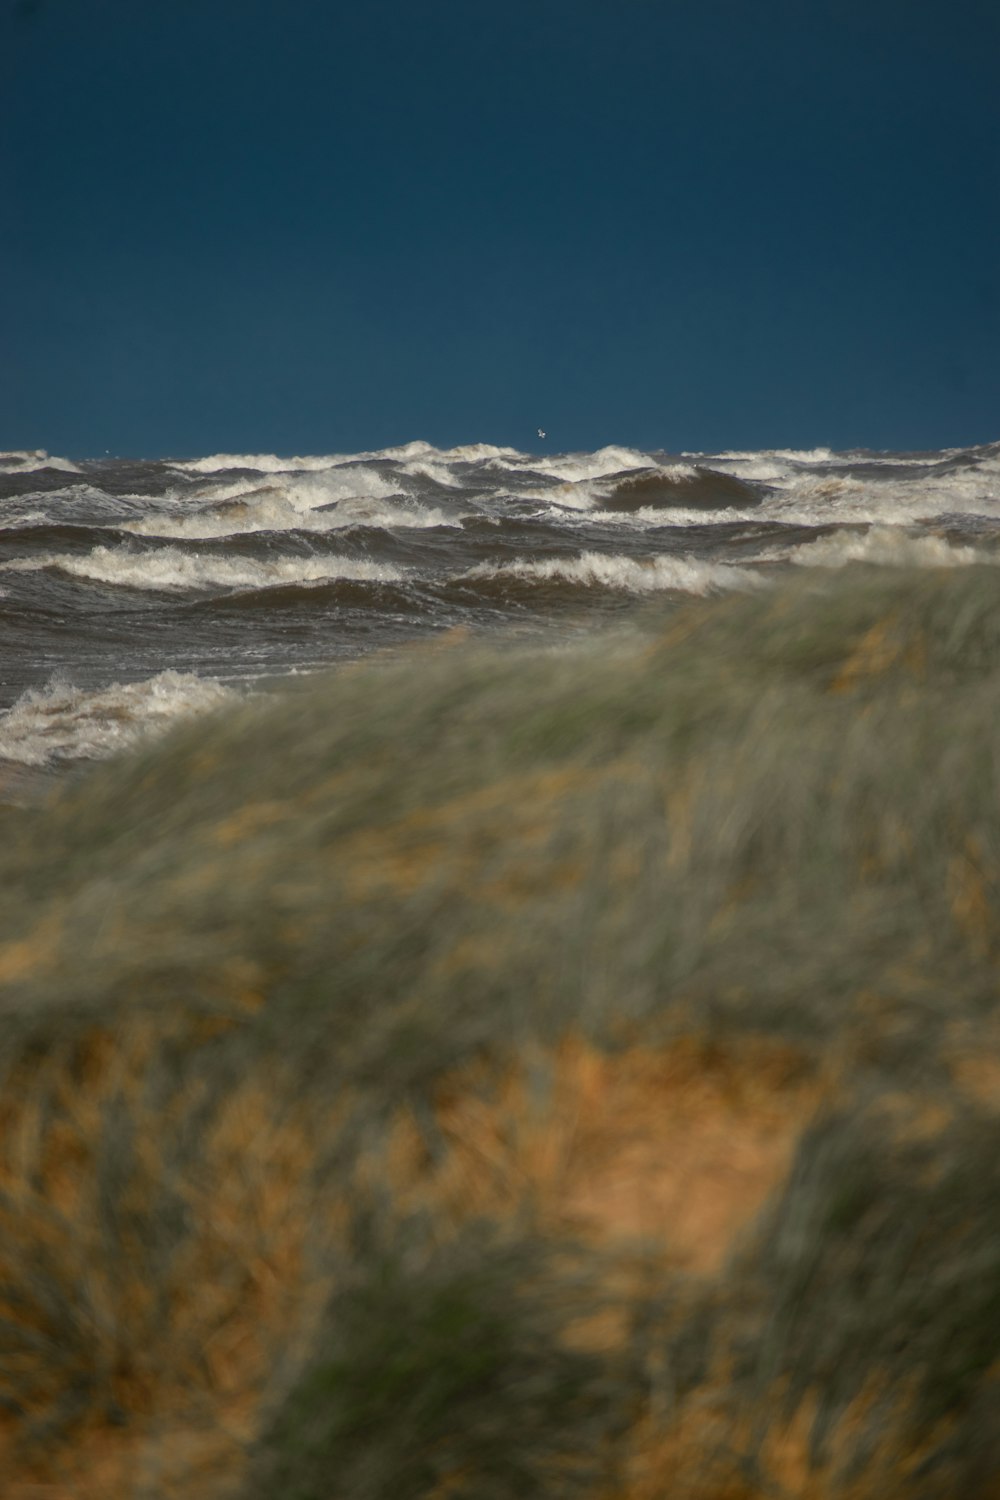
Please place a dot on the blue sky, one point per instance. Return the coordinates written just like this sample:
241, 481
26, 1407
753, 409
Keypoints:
298, 226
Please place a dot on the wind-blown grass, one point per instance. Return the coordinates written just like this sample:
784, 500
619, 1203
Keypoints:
495, 1073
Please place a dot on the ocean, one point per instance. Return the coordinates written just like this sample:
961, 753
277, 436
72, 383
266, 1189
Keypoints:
133, 593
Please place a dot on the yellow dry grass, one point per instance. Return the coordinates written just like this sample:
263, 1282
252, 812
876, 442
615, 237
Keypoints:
710, 1452
177, 1357
679, 1145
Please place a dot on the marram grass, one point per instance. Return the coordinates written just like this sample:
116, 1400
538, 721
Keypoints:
523, 1073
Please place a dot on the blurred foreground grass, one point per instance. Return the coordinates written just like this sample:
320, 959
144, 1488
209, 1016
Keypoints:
498, 1074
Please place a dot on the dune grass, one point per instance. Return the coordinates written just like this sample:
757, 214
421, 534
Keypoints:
496, 1073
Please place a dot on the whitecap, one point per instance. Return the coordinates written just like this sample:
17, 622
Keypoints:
264, 463
30, 460
576, 466
170, 569
475, 452
660, 517
887, 546
18, 518
309, 502
625, 574
62, 722
437, 471
816, 499
462, 453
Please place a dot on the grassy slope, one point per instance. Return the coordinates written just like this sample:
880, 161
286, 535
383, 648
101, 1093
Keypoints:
506, 1074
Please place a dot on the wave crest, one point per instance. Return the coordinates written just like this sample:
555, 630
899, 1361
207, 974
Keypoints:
625, 574
60, 722
690, 487
170, 569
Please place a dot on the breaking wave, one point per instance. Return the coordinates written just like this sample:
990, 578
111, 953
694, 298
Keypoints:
287, 508
247, 565
691, 487
61, 723
624, 574
170, 569
263, 463
576, 466
31, 460
887, 546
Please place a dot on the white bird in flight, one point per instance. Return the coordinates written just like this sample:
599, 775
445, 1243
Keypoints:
540, 432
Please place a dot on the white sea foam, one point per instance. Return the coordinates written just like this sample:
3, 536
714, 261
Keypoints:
593, 495
600, 488
418, 448
804, 496
60, 503
264, 463
475, 452
306, 490
307, 502
654, 516
805, 455
463, 453
18, 518
672, 472
793, 455
29, 460
170, 569
369, 510
592, 491
816, 499
571, 495
754, 466
889, 547
581, 474
62, 722
577, 466
434, 469
626, 574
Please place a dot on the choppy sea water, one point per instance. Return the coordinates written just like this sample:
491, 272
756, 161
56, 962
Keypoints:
133, 593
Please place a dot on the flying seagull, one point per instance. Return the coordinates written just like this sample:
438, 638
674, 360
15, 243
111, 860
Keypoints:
540, 432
